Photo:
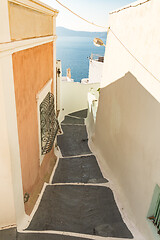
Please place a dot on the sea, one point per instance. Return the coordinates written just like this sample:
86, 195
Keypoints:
74, 53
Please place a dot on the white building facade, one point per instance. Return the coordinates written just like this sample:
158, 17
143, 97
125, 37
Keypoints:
127, 129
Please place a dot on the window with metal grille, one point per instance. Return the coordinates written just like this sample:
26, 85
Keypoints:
48, 123
154, 212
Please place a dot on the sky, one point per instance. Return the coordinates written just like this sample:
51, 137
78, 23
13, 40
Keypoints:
96, 11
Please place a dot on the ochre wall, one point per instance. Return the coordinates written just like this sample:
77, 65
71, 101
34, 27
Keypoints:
27, 23
32, 69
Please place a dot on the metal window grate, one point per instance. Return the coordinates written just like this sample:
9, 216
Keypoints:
155, 218
49, 123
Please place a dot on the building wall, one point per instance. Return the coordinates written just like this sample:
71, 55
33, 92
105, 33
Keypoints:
32, 69
95, 71
11, 201
58, 84
22, 19
127, 126
26, 64
4, 22
78, 100
131, 27
7, 215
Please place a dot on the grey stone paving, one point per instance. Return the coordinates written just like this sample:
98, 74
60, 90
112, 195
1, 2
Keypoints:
8, 234
85, 209
78, 169
80, 114
74, 141
72, 120
81, 209
45, 236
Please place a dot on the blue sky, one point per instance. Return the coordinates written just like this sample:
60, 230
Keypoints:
93, 10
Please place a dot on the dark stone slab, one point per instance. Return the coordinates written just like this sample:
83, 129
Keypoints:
8, 234
45, 236
82, 209
72, 120
80, 114
79, 169
74, 141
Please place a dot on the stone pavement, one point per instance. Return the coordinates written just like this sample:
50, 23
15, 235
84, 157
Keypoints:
8, 234
78, 200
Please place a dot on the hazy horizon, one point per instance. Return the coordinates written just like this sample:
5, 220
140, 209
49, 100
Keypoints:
96, 11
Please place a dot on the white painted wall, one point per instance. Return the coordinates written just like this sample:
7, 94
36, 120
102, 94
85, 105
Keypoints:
74, 96
4, 22
11, 192
95, 71
137, 28
12, 157
7, 212
11, 200
58, 66
91, 116
127, 126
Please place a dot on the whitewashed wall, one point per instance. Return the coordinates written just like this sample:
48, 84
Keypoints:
95, 71
11, 194
11, 176
7, 212
138, 29
74, 96
127, 126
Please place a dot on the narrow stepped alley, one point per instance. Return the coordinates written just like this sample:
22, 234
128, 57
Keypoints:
77, 205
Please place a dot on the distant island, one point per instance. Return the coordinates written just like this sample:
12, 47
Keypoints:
64, 32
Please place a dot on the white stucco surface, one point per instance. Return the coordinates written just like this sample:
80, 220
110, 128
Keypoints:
137, 28
7, 212
95, 71
4, 22
12, 135
127, 130
58, 84
11, 191
74, 96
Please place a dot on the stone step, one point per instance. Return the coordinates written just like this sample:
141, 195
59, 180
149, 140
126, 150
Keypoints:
74, 141
78, 170
80, 209
80, 114
72, 120
45, 236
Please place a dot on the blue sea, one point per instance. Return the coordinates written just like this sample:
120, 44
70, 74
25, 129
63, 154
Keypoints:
74, 53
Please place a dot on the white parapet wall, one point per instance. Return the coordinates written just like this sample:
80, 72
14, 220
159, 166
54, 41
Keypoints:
127, 130
95, 71
92, 111
74, 96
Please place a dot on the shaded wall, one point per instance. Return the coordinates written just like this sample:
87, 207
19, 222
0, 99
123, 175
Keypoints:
127, 127
127, 135
32, 69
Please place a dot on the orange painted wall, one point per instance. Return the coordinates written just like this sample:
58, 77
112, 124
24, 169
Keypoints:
32, 69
